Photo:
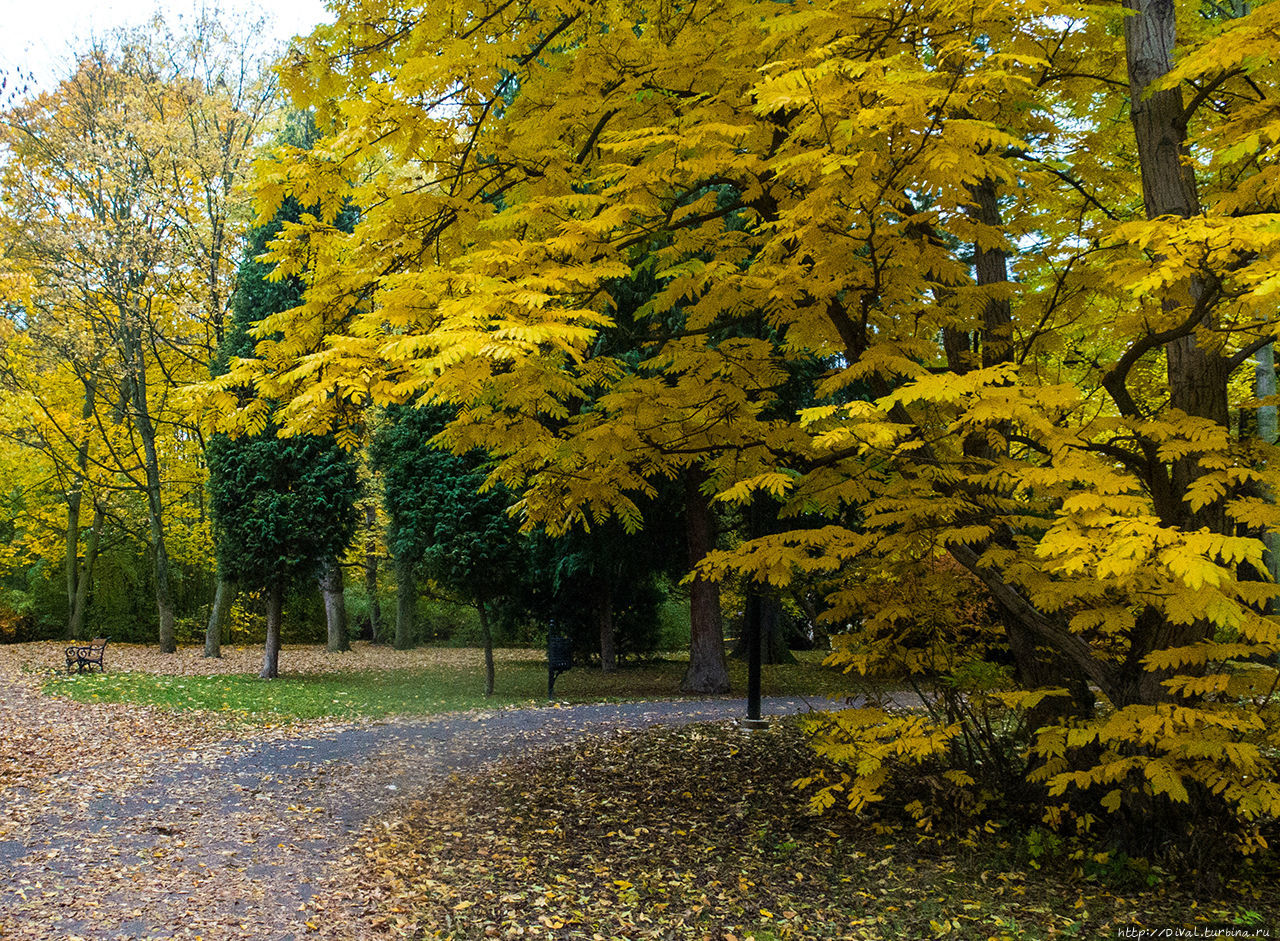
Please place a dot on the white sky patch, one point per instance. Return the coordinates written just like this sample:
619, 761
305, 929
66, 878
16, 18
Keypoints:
38, 37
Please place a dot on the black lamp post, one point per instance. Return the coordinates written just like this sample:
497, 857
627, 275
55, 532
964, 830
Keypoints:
752, 614
751, 617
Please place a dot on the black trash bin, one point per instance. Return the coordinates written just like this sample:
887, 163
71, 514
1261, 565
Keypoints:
559, 659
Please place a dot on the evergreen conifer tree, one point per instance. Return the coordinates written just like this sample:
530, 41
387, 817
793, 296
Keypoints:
283, 507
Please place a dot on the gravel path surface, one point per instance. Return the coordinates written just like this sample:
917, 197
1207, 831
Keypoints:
236, 839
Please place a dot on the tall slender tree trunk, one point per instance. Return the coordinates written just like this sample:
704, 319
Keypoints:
1036, 666
708, 671
271, 653
406, 603
335, 606
223, 595
991, 344
773, 644
1197, 374
71, 554
487, 635
75, 576
146, 432
371, 572
608, 635
80, 603
1265, 387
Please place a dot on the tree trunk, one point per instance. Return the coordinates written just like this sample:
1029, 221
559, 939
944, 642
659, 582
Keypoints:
1036, 666
137, 379
371, 573
406, 603
1265, 387
762, 518
708, 671
773, 646
84, 578
1159, 122
751, 611
271, 654
223, 595
75, 577
335, 606
71, 556
1197, 374
487, 636
608, 636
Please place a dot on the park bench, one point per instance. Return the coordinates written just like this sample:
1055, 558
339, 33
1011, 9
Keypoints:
559, 659
86, 656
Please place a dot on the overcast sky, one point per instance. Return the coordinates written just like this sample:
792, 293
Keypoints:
36, 35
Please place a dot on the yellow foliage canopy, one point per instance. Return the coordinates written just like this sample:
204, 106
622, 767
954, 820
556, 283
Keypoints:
904, 269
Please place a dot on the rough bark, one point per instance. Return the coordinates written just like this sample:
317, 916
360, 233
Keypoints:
752, 631
1197, 374
1268, 430
223, 595
1265, 387
1036, 666
145, 428
991, 265
406, 603
335, 606
76, 577
487, 635
84, 578
773, 645
271, 652
371, 573
1032, 637
1197, 380
1158, 118
608, 635
762, 519
71, 557
708, 671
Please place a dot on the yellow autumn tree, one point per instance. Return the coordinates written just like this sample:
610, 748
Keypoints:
1014, 254
121, 213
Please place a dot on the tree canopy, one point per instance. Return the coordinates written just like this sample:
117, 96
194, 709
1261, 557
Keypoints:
1030, 244
282, 507
443, 521
122, 213
967, 307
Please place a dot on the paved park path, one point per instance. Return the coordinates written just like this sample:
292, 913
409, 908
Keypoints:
246, 839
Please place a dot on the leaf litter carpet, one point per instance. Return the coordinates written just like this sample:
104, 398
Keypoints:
122, 822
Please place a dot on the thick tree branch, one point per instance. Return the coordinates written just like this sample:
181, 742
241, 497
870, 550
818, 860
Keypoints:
1116, 378
1069, 645
1239, 359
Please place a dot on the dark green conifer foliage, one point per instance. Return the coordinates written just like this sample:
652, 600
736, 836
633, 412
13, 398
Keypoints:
281, 506
440, 523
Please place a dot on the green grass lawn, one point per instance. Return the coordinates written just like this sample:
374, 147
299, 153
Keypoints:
424, 691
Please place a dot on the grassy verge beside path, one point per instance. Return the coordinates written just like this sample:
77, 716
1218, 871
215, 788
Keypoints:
375, 682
